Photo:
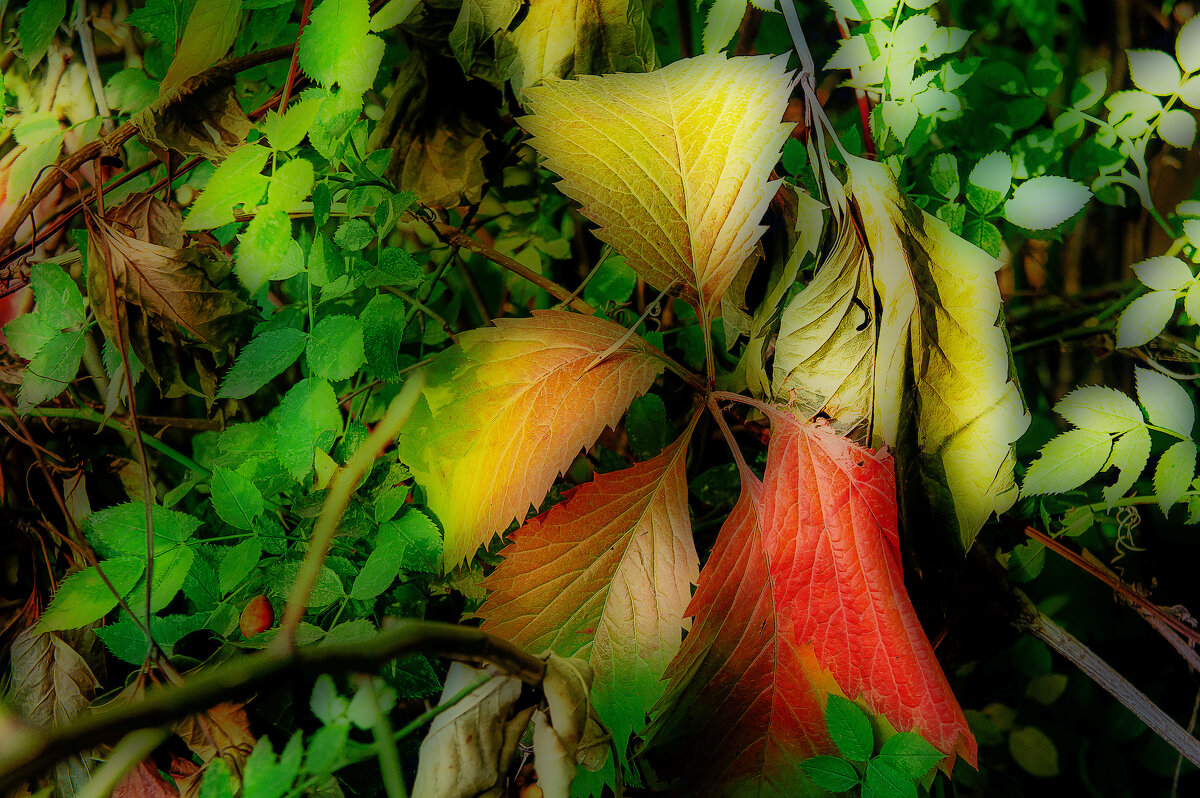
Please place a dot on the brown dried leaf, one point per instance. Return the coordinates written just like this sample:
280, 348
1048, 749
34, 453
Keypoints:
201, 117
51, 684
157, 282
144, 781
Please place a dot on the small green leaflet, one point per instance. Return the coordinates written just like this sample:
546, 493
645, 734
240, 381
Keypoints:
830, 773
1163, 273
1099, 409
127, 642
1145, 318
308, 419
1046, 202
59, 301
1130, 454
383, 331
396, 267
259, 250
1154, 71
237, 501
338, 47
646, 426
237, 181
724, 16
1167, 403
335, 348
909, 754
883, 779
266, 777
28, 333
989, 181
290, 185
849, 728
264, 358
1187, 46
1174, 473
1067, 461
944, 175
39, 21
237, 563
51, 369
354, 235
287, 131
157, 18
83, 598
392, 14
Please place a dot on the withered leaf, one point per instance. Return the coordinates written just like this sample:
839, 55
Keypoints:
157, 283
202, 116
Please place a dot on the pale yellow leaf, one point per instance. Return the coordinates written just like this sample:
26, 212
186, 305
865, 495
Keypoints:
672, 165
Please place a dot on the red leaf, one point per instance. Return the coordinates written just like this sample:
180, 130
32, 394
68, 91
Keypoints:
605, 575
742, 707
829, 512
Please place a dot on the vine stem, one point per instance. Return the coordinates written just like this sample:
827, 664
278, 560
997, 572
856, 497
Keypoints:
291, 75
27, 750
340, 490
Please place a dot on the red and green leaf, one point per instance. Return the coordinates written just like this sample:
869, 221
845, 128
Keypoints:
508, 408
606, 576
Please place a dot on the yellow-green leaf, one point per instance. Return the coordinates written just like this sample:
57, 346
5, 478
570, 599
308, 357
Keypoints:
210, 31
508, 408
941, 312
672, 164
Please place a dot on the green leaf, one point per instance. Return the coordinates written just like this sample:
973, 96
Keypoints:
354, 235
236, 500
830, 773
127, 642
1101, 409
984, 235
59, 301
1045, 202
724, 16
1067, 461
1187, 46
421, 539
397, 267
337, 46
989, 181
290, 185
83, 598
849, 728
51, 369
1154, 71
260, 248
1090, 88
1026, 561
1173, 474
1163, 273
1034, 752
326, 262
237, 562
263, 776
882, 780
159, 19
1145, 318
214, 782
647, 427
383, 332
382, 566
39, 21
944, 175
1178, 128
28, 333
171, 567
326, 745
211, 28
392, 14
613, 282
1130, 454
1167, 403
308, 418
287, 131
130, 90
335, 348
910, 754
264, 358
237, 181
122, 529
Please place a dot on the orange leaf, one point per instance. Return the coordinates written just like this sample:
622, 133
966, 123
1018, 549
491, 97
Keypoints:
605, 575
745, 702
829, 512
508, 408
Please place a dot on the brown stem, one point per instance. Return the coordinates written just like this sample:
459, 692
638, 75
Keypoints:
291, 75
26, 751
456, 238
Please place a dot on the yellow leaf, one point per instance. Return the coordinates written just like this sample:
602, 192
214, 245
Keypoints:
672, 164
508, 408
941, 312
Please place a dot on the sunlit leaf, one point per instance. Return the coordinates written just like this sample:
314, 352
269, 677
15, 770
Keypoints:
672, 165
1067, 461
1045, 202
1163, 273
1174, 472
1154, 71
508, 408
1130, 453
1187, 46
1167, 403
208, 34
1099, 408
1145, 318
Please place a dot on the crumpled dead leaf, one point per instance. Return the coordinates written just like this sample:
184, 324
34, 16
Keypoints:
51, 684
201, 117
222, 731
438, 148
144, 782
469, 747
158, 283
567, 733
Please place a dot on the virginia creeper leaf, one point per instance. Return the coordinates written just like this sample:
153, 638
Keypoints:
508, 408
672, 165
39, 20
830, 522
940, 311
605, 576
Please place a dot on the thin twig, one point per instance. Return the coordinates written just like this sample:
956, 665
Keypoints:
340, 489
291, 75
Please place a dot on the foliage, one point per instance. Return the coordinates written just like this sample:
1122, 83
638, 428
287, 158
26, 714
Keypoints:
342, 311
